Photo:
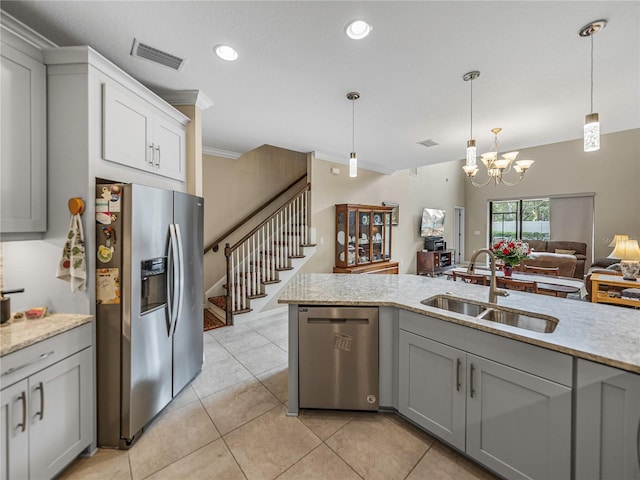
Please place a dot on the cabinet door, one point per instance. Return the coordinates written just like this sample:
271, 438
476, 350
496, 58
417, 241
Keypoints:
127, 128
607, 422
364, 240
23, 160
432, 388
169, 144
14, 443
518, 424
60, 414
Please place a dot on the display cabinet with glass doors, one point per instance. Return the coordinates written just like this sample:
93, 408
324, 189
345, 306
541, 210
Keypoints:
363, 239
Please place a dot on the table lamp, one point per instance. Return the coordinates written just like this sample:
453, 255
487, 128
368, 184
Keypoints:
617, 238
628, 252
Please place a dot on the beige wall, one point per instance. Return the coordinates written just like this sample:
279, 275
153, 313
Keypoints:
234, 188
436, 186
612, 173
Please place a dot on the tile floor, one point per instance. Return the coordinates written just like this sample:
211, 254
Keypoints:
230, 423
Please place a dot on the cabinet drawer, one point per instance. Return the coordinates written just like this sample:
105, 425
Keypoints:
34, 358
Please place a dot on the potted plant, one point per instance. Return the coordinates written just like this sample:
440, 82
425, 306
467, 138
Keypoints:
511, 254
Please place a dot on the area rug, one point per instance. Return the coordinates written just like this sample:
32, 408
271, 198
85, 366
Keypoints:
211, 321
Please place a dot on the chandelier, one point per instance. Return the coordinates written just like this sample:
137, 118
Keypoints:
498, 168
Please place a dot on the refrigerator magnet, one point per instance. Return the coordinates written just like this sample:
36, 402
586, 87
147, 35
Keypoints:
107, 285
102, 205
105, 254
104, 218
114, 199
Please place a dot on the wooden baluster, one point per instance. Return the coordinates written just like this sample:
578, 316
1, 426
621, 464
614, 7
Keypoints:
230, 281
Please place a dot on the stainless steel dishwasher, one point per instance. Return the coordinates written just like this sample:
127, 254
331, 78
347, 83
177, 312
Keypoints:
338, 357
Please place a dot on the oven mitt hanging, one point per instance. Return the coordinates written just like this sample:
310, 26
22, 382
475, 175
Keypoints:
72, 267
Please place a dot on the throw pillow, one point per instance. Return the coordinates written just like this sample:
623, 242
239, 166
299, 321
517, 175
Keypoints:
565, 252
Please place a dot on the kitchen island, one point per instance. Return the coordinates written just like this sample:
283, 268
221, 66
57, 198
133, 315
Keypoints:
510, 398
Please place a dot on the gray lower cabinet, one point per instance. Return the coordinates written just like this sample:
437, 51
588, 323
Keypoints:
607, 422
512, 421
432, 391
46, 417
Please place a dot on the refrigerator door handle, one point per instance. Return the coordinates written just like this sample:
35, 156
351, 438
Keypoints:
175, 264
180, 277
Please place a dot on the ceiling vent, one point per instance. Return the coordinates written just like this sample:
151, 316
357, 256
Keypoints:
152, 54
428, 143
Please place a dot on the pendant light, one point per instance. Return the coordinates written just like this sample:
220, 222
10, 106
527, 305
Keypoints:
353, 157
471, 143
591, 121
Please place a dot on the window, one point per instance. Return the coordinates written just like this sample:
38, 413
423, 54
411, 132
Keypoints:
519, 219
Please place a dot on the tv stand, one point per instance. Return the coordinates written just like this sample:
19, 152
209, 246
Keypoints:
434, 262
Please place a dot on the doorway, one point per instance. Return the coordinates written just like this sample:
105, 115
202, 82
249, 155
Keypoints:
458, 233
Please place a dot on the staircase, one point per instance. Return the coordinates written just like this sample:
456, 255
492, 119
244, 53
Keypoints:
259, 264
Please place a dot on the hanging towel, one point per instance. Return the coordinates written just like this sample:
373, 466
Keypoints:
72, 267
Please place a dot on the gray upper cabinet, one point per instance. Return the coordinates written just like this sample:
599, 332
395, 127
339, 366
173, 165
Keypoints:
461, 385
23, 174
137, 135
607, 423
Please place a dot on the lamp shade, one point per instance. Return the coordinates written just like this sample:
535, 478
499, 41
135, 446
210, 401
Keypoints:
626, 250
616, 238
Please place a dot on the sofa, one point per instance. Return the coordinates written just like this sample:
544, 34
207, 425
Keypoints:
570, 257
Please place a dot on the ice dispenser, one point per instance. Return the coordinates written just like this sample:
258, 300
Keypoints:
154, 284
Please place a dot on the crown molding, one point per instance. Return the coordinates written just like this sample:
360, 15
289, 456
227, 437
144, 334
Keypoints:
187, 97
216, 152
61, 59
19, 29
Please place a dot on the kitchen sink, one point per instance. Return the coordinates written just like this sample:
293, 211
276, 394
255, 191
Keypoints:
536, 323
455, 305
485, 311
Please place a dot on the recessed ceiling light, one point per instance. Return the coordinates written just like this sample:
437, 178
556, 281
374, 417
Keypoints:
225, 52
358, 29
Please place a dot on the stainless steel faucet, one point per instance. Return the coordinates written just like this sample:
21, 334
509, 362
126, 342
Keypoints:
494, 291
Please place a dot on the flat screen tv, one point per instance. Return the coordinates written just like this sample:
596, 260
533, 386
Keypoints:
432, 224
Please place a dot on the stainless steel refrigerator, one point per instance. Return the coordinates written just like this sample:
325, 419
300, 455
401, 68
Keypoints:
149, 304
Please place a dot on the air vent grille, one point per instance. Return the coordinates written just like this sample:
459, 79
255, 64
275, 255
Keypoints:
429, 143
152, 54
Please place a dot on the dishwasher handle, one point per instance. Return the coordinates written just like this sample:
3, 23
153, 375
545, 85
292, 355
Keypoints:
363, 321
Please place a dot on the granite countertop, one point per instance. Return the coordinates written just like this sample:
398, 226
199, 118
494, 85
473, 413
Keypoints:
602, 333
20, 333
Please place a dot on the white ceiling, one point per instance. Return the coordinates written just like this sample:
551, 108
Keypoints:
288, 88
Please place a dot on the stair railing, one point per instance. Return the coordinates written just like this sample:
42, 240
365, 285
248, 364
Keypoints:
213, 246
255, 259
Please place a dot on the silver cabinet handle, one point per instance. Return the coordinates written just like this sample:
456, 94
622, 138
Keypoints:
458, 384
41, 412
39, 358
152, 154
158, 156
471, 388
23, 425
